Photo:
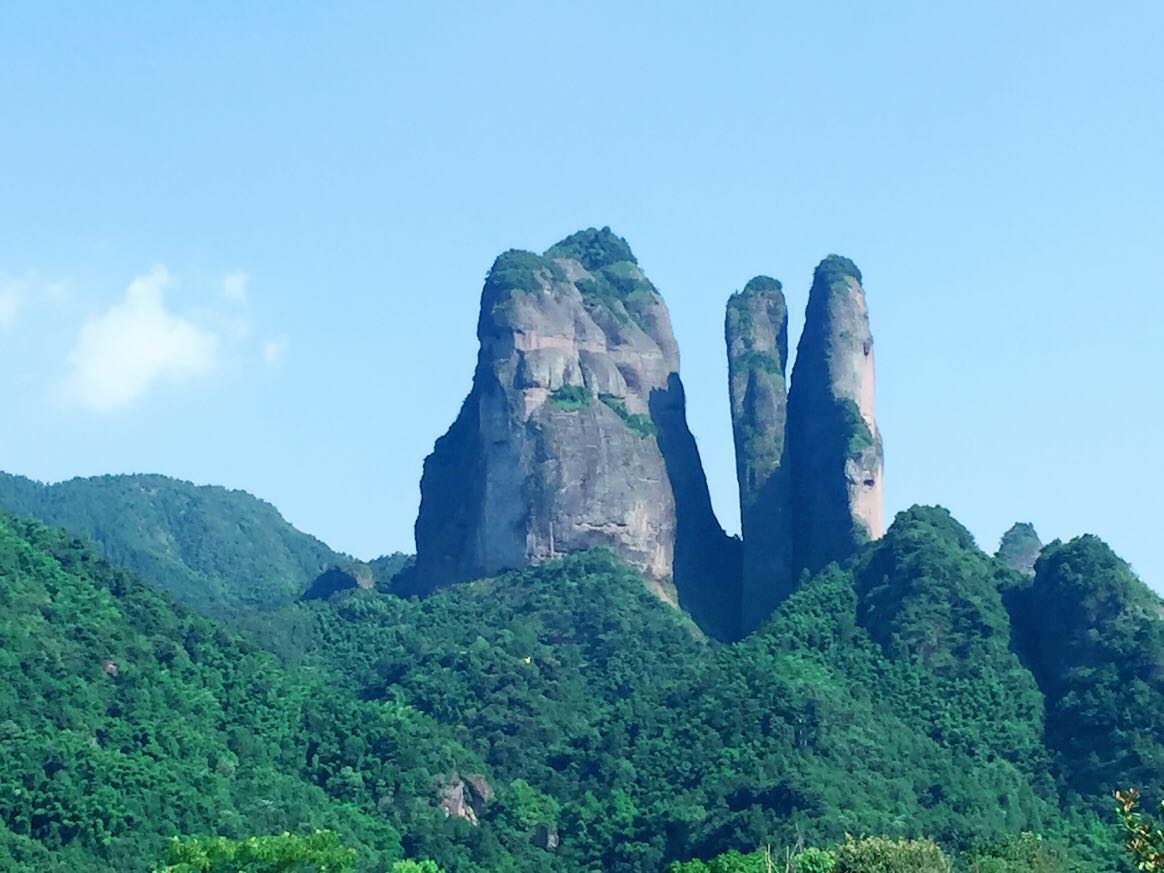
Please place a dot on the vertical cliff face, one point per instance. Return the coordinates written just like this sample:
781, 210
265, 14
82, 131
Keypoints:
756, 331
833, 446
574, 434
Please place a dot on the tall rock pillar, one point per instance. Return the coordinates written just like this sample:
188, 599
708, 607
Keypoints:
756, 331
574, 435
833, 447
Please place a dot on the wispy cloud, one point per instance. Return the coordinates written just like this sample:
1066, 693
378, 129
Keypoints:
274, 350
122, 354
234, 287
17, 294
11, 302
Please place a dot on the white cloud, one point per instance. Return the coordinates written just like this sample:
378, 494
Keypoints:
11, 301
234, 287
135, 344
274, 350
18, 294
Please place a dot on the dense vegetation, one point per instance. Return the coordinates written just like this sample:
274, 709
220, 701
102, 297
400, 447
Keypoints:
222, 552
886, 697
569, 721
125, 720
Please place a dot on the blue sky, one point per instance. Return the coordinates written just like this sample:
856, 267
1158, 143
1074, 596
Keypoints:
244, 243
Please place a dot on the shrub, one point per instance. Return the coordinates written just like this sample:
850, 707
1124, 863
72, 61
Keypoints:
570, 397
883, 855
1024, 853
815, 861
636, 421
1143, 837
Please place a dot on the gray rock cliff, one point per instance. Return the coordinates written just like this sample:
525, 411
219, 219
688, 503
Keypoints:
574, 434
756, 332
833, 448
1020, 548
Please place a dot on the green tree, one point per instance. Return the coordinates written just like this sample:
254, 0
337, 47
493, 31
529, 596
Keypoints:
1143, 837
318, 852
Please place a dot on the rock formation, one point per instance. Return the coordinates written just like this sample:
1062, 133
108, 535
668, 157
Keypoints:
348, 577
1020, 548
756, 331
574, 434
833, 448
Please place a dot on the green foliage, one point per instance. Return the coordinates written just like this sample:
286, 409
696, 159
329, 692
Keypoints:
815, 861
765, 362
884, 696
1021, 853
852, 423
881, 855
1093, 636
593, 248
224, 553
517, 270
762, 285
124, 720
415, 867
851, 710
1143, 838
833, 271
638, 422
729, 862
570, 398
616, 286
318, 852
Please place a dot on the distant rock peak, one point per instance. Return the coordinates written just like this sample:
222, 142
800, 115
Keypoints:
1020, 548
594, 249
809, 459
574, 434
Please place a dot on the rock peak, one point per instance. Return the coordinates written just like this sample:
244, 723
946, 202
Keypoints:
834, 445
756, 332
835, 267
574, 434
1020, 548
593, 248
760, 285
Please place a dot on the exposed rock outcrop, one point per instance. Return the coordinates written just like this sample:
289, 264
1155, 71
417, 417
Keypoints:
1020, 548
756, 331
574, 434
833, 447
349, 577
464, 798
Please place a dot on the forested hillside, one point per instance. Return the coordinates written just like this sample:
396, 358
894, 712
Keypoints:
125, 720
890, 697
563, 718
222, 552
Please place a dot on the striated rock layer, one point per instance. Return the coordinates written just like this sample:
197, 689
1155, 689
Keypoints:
756, 331
833, 447
574, 434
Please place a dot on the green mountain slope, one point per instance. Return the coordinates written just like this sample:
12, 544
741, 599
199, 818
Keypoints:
920, 690
1094, 636
888, 696
218, 551
125, 720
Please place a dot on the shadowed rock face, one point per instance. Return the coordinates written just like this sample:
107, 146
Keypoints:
756, 331
1020, 548
574, 434
833, 447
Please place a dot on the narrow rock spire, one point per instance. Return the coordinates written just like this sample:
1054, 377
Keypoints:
756, 332
833, 446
